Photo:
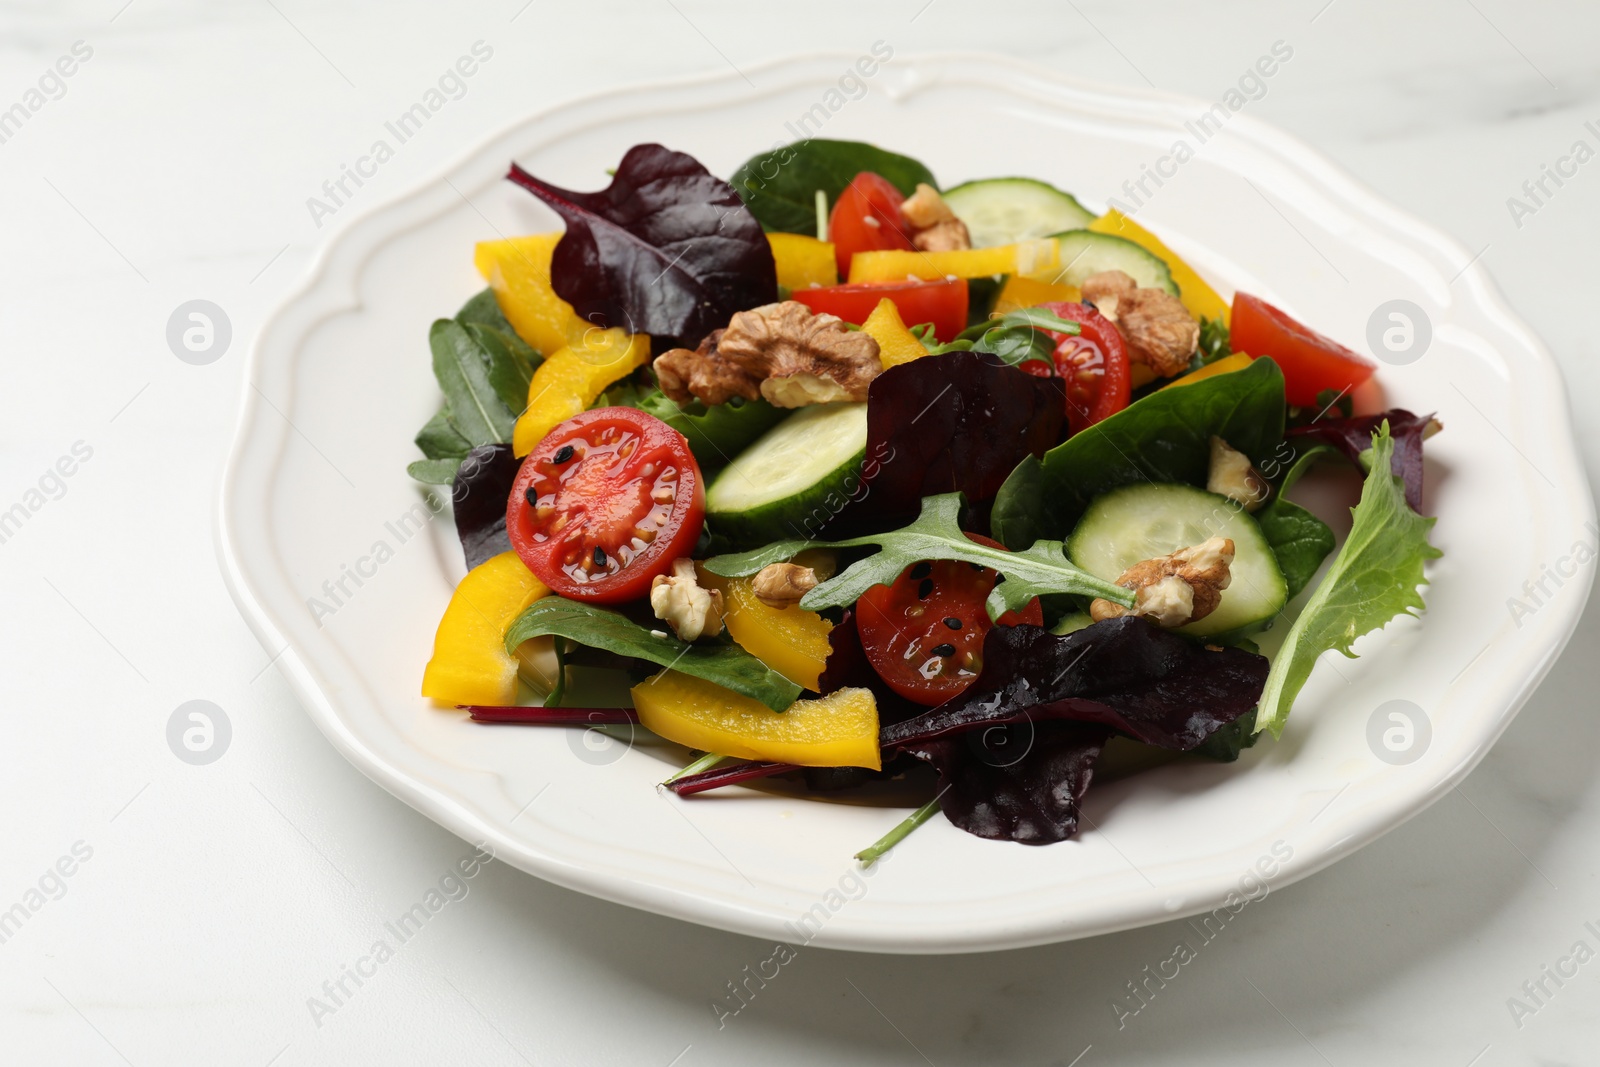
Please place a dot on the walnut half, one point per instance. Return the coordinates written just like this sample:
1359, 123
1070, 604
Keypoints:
784, 353
1159, 330
782, 585
1176, 589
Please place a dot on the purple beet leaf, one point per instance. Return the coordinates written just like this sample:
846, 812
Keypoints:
666, 249
1353, 436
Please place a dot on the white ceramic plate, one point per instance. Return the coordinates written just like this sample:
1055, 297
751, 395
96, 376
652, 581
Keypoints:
339, 382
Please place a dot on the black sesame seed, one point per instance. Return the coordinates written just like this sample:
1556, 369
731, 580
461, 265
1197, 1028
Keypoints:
943, 650
925, 589
953, 622
922, 570
976, 566
599, 556
563, 454
532, 495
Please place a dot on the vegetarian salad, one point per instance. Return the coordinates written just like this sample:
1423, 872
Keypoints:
828, 473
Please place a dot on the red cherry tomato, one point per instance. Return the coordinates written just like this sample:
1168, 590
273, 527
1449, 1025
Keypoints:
942, 302
605, 503
1311, 362
924, 634
866, 218
1094, 365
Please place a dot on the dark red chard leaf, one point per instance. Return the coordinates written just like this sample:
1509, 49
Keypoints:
667, 249
1353, 436
958, 422
479, 492
1016, 750
1127, 674
1031, 797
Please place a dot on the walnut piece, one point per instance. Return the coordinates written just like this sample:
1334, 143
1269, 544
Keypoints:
678, 601
781, 585
1177, 589
1159, 330
782, 352
934, 227
1232, 475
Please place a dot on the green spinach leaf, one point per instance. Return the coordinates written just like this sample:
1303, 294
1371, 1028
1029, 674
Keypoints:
715, 432
727, 665
1164, 437
780, 187
1374, 579
1299, 540
1040, 569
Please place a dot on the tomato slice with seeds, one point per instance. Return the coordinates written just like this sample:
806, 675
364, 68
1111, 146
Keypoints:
1094, 365
605, 503
924, 634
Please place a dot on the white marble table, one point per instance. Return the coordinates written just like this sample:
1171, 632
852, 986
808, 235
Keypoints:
206, 905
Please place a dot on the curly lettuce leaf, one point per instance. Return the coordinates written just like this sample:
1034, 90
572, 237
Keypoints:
1374, 579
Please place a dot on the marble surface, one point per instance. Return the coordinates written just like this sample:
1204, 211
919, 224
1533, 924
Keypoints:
183, 914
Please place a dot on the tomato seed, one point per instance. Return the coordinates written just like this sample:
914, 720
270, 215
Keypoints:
532, 496
943, 650
563, 454
953, 622
925, 590
922, 570
599, 556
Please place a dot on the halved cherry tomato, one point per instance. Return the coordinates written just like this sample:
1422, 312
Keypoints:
604, 503
943, 302
924, 634
1094, 365
867, 218
1311, 363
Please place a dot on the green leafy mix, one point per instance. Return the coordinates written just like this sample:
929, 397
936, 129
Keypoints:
1374, 579
1216, 342
1164, 437
1040, 569
727, 665
483, 368
780, 187
715, 432
1015, 337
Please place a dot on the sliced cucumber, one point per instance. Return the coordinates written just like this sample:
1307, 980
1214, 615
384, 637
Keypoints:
793, 479
1139, 522
998, 211
1084, 252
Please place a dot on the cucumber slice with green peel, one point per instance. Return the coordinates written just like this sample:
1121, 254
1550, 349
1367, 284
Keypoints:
999, 211
1084, 252
1140, 522
793, 478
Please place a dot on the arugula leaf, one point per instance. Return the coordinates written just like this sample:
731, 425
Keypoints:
1163, 437
666, 249
780, 187
1041, 568
1373, 579
727, 665
440, 471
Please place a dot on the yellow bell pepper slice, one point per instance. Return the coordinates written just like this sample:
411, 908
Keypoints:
803, 261
1024, 257
470, 664
896, 343
838, 730
572, 379
1019, 293
1198, 296
1225, 365
518, 270
791, 641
